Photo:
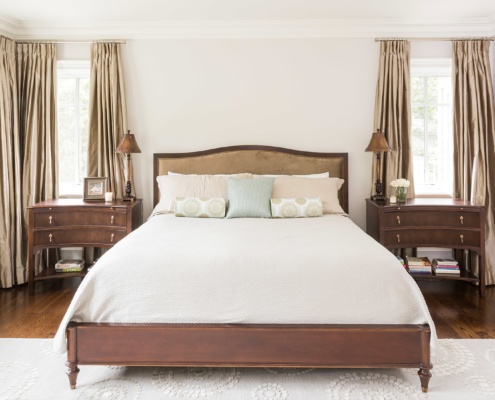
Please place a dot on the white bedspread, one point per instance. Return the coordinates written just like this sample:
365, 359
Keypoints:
193, 270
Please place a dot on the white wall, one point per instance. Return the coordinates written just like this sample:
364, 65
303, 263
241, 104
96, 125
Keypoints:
306, 94
315, 95
433, 49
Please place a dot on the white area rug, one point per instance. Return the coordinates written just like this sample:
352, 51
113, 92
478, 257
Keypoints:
29, 369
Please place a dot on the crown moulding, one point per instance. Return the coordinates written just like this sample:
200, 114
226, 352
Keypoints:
246, 29
8, 26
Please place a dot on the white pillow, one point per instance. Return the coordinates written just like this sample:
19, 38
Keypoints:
241, 175
326, 189
172, 186
321, 175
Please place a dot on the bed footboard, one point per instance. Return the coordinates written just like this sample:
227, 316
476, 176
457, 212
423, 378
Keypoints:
220, 345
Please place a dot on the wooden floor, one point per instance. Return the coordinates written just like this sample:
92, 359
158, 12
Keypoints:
455, 307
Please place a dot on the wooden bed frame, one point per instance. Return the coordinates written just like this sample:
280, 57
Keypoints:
250, 345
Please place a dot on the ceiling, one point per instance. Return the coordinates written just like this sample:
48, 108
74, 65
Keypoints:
30, 18
185, 10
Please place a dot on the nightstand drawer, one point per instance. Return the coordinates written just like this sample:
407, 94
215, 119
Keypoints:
50, 218
458, 219
432, 237
81, 237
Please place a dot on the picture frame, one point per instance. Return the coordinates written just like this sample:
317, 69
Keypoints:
94, 189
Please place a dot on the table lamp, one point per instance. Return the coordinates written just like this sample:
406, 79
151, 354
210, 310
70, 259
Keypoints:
378, 143
127, 146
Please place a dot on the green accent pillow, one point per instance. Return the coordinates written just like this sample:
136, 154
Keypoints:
249, 198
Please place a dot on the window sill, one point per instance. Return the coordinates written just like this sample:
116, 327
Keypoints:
433, 196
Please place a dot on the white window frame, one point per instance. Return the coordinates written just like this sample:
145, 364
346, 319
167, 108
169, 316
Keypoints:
432, 67
73, 69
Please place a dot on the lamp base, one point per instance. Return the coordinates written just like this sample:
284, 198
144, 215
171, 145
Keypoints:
128, 191
378, 184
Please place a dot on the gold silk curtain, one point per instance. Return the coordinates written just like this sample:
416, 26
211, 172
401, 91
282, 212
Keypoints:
107, 115
36, 70
474, 135
28, 146
393, 112
12, 247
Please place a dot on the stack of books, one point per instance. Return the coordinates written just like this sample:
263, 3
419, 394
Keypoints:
401, 260
445, 266
418, 265
69, 266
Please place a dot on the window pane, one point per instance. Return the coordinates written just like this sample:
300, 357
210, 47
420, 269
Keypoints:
432, 89
439, 90
73, 122
445, 90
66, 91
418, 131
431, 113
417, 90
84, 92
67, 143
83, 142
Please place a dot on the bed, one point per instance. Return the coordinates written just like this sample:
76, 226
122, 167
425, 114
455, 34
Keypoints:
186, 332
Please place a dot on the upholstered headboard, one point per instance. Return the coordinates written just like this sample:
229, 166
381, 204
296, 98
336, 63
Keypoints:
254, 159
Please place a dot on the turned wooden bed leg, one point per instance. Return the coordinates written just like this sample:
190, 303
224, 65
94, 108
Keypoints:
71, 364
424, 376
72, 372
425, 365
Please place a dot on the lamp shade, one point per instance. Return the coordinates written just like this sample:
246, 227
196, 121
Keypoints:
128, 144
378, 142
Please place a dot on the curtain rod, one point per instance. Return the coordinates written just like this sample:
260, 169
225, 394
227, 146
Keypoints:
54, 41
69, 41
489, 38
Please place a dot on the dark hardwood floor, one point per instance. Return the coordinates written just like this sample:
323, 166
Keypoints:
457, 310
455, 307
37, 316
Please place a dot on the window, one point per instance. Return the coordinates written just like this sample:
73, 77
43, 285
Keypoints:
432, 137
73, 125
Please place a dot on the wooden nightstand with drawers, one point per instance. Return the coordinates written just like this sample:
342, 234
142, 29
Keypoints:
447, 223
74, 222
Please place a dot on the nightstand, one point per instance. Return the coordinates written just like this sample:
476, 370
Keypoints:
74, 222
446, 223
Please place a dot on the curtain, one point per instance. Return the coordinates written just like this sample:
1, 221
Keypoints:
107, 115
36, 80
36, 70
474, 135
12, 246
393, 113
28, 147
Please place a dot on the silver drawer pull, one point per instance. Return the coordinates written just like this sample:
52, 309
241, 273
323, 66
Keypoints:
111, 237
50, 219
398, 238
462, 238
398, 219
462, 220
111, 219
50, 236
